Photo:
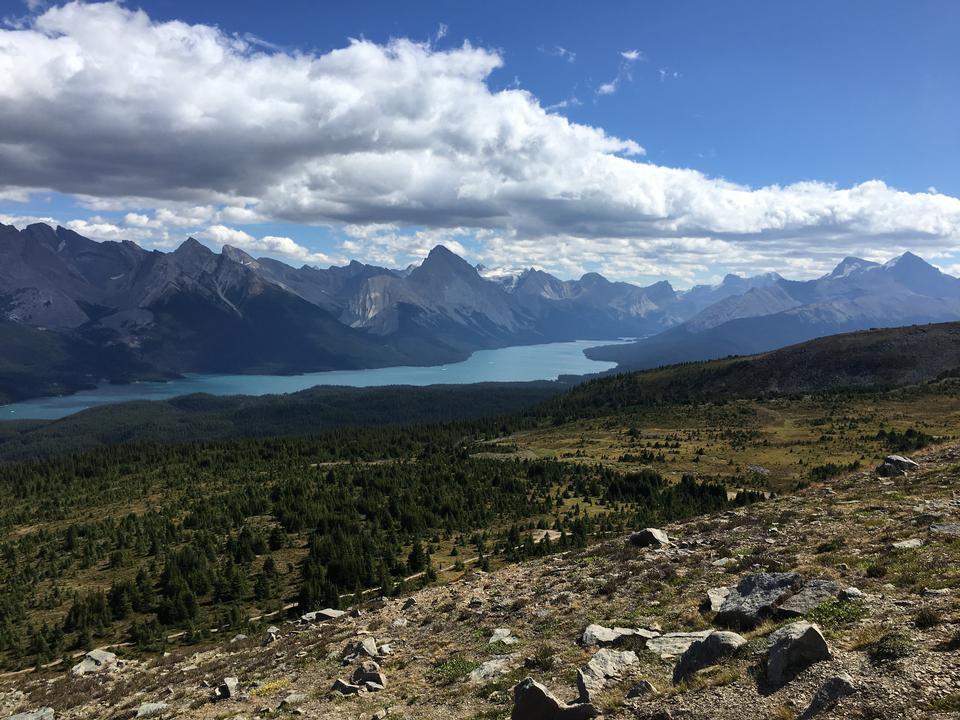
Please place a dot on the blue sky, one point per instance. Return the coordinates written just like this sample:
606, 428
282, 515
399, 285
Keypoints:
758, 94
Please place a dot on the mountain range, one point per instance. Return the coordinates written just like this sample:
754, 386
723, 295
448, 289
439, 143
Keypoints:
856, 295
75, 312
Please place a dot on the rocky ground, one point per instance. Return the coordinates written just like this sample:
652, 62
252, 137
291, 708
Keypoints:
839, 601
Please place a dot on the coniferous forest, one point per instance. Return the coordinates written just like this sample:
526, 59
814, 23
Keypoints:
141, 543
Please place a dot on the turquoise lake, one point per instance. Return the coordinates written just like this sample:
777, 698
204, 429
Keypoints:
510, 364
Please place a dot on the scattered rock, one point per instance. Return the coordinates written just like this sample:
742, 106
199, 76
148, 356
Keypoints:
600, 635
649, 537
238, 637
322, 615
946, 529
671, 645
492, 668
829, 694
754, 599
605, 665
271, 636
293, 700
368, 672
151, 709
703, 653
409, 603
94, 661
715, 598
911, 544
532, 701
44, 713
503, 635
345, 688
228, 688
794, 646
904, 463
644, 688
851, 593
813, 593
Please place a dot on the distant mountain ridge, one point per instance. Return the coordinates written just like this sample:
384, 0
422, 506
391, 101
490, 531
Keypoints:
856, 295
118, 312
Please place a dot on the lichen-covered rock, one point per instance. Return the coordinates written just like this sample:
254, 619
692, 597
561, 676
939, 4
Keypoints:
754, 599
793, 647
812, 594
604, 666
649, 537
94, 661
600, 635
532, 701
44, 713
228, 688
706, 652
671, 645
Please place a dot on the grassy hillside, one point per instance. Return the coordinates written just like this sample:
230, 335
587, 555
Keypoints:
741, 337
866, 359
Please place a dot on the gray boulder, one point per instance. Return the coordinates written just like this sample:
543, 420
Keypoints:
293, 700
504, 636
829, 694
649, 537
228, 688
896, 465
671, 645
793, 647
703, 653
643, 688
94, 661
368, 672
952, 529
812, 594
493, 668
322, 615
715, 598
345, 688
604, 666
911, 544
151, 709
44, 713
754, 599
902, 462
532, 701
600, 635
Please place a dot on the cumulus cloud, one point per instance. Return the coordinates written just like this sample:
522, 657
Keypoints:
269, 245
184, 126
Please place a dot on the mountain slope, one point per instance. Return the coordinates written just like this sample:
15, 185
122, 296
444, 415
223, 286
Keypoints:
865, 359
856, 295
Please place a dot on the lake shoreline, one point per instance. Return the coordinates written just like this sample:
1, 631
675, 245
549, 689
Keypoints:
515, 363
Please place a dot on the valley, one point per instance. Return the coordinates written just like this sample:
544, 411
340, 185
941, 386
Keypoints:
142, 547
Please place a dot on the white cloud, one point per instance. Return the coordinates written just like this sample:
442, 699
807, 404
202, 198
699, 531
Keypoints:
632, 55
283, 247
211, 130
561, 52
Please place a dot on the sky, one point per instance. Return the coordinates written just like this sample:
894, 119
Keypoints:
644, 140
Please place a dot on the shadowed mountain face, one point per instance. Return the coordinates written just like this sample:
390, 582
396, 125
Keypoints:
115, 311
856, 295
